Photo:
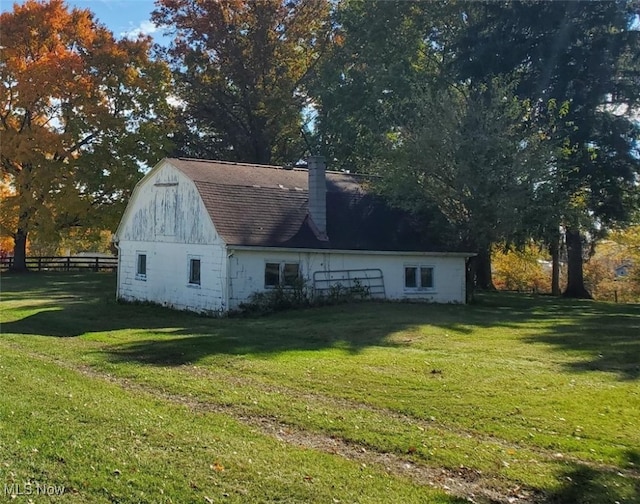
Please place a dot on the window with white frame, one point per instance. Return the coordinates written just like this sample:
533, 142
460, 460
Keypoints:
141, 265
281, 274
194, 271
418, 277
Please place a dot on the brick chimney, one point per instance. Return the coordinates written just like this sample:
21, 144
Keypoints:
318, 194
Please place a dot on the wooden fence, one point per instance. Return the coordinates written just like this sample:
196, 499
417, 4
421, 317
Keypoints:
62, 263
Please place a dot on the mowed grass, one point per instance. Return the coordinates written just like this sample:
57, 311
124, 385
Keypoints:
511, 399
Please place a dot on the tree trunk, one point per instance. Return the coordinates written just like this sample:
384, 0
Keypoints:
470, 279
554, 248
483, 269
20, 251
575, 278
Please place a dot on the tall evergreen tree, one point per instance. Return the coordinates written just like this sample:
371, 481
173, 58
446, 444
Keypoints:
389, 102
583, 54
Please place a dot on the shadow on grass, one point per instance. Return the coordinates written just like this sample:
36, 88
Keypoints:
59, 285
597, 336
178, 339
605, 340
72, 306
587, 485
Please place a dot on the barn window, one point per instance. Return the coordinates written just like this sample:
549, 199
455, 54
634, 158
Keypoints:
271, 274
194, 271
290, 274
141, 266
281, 273
410, 277
426, 278
418, 277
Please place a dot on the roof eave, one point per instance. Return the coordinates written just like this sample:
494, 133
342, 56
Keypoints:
350, 251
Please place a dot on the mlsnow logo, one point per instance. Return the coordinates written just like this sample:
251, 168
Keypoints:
32, 488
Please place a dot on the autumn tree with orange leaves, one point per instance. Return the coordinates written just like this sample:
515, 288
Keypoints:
7, 217
80, 113
241, 69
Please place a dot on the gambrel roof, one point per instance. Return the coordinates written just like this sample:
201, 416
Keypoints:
267, 206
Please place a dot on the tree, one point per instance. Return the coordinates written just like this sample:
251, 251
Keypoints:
8, 219
575, 63
472, 153
362, 90
389, 102
240, 67
611, 272
520, 270
584, 54
79, 114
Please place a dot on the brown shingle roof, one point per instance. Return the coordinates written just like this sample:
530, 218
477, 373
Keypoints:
267, 206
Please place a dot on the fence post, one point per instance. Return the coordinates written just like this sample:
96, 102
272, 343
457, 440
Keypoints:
39, 263
97, 264
68, 263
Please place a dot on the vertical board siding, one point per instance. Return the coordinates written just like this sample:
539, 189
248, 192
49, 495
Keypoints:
165, 211
167, 220
167, 207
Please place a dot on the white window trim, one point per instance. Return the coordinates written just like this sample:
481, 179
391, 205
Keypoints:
281, 265
142, 276
418, 287
191, 284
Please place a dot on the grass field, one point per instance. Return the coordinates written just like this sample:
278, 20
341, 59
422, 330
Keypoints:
513, 399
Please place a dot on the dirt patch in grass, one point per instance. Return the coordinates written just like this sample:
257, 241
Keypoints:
462, 482
474, 400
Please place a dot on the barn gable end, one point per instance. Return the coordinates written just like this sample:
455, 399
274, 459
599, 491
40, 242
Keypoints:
166, 239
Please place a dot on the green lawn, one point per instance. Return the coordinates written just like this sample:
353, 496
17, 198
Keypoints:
512, 399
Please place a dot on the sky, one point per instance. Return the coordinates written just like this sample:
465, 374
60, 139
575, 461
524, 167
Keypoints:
122, 17
130, 17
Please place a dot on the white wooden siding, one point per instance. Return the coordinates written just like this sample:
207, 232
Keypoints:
167, 207
167, 220
167, 278
246, 269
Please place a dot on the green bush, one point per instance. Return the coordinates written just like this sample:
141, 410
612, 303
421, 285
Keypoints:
301, 296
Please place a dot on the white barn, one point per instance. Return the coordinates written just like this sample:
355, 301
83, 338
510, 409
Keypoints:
205, 235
